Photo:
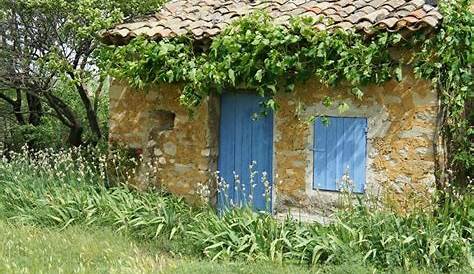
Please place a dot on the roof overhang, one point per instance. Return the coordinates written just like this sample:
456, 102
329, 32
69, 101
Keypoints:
203, 19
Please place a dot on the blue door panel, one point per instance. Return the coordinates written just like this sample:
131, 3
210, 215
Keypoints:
228, 132
340, 147
330, 156
244, 139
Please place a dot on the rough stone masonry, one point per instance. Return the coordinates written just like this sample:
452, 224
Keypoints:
183, 146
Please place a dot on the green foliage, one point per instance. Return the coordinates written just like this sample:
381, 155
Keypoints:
255, 53
381, 239
64, 188
447, 59
51, 61
144, 61
51, 133
264, 56
80, 249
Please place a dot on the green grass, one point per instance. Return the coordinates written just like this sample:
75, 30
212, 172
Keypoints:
77, 249
27, 249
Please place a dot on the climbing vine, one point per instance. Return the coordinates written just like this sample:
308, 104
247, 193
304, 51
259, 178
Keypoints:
447, 60
254, 53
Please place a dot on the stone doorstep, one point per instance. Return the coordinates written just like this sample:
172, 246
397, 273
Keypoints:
305, 217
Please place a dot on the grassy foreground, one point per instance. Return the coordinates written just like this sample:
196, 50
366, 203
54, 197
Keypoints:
77, 249
27, 249
57, 215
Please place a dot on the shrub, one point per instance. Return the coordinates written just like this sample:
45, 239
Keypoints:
240, 234
382, 239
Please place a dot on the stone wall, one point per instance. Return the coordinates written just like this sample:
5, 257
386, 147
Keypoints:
401, 128
401, 120
175, 144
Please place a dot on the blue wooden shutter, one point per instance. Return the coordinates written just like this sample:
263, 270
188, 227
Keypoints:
339, 147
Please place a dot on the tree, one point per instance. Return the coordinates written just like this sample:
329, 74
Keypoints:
44, 42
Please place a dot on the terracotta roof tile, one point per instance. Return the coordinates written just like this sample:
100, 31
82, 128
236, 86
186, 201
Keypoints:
430, 20
420, 13
349, 9
344, 25
207, 18
377, 15
388, 23
410, 19
418, 3
336, 18
427, 7
436, 14
397, 3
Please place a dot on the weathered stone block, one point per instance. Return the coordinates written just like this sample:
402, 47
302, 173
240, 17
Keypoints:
415, 132
169, 148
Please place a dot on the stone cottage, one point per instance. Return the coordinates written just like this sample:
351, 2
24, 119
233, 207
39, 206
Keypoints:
381, 147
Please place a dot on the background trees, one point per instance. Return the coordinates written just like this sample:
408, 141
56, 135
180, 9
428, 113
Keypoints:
48, 76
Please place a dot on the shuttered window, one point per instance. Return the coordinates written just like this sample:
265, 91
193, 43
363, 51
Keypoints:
340, 148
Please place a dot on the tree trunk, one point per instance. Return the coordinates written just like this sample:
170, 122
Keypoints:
90, 111
16, 106
17, 109
35, 109
68, 118
75, 135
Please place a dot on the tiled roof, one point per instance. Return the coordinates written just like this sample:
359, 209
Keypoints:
206, 18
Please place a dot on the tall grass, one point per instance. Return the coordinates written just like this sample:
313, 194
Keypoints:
63, 188
382, 239
67, 188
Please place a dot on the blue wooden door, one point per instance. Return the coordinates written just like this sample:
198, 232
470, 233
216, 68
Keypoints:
245, 137
340, 148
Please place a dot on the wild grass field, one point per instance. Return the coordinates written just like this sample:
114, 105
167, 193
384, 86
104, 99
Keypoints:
79, 249
57, 214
